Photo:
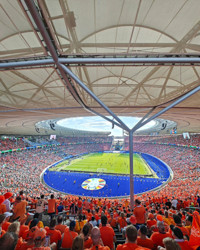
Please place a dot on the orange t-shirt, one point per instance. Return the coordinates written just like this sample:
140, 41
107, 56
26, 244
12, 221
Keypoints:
51, 206
184, 245
55, 235
23, 228
184, 230
107, 234
112, 222
80, 203
139, 213
122, 222
2, 208
61, 228
5, 225
157, 238
26, 246
20, 210
88, 243
19, 244
68, 238
39, 248
29, 234
145, 243
2, 233
129, 246
99, 247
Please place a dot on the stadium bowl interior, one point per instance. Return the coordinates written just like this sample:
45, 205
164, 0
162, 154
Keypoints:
57, 63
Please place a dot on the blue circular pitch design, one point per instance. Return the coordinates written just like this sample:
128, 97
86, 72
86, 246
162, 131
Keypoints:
116, 185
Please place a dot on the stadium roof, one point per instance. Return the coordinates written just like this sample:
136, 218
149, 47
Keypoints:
34, 86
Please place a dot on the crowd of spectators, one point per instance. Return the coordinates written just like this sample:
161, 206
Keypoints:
83, 223
193, 140
12, 143
154, 216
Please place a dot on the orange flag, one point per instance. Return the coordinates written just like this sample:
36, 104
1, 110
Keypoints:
195, 231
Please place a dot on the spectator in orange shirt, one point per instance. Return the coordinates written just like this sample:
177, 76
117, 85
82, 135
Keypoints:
140, 213
79, 224
96, 240
78, 243
69, 235
151, 222
188, 223
14, 228
60, 226
55, 235
168, 219
23, 228
6, 222
28, 234
89, 215
122, 221
85, 234
157, 237
178, 236
142, 239
40, 223
8, 241
178, 223
51, 206
73, 209
19, 209
40, 240
80, 204
2, 219
2, 206
107, 233
112, 221
170, 244
131, 239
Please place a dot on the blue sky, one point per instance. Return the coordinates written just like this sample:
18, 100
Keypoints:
95, 123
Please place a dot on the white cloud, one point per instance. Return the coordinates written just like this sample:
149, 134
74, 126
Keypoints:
93, 123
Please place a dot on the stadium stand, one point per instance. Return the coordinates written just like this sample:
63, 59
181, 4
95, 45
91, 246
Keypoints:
20, 170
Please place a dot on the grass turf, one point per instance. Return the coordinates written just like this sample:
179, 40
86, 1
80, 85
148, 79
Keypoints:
114, 163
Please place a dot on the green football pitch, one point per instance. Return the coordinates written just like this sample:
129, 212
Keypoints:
113, 163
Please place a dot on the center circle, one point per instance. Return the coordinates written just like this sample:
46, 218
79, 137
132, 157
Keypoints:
93, 184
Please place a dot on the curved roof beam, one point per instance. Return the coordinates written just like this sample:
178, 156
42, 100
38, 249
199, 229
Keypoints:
178, 47
128, 25
81, 44
34, 83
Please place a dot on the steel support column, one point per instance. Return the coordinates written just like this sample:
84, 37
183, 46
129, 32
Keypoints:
180, 99
131, 169
37, 18
79, 82
140, 122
